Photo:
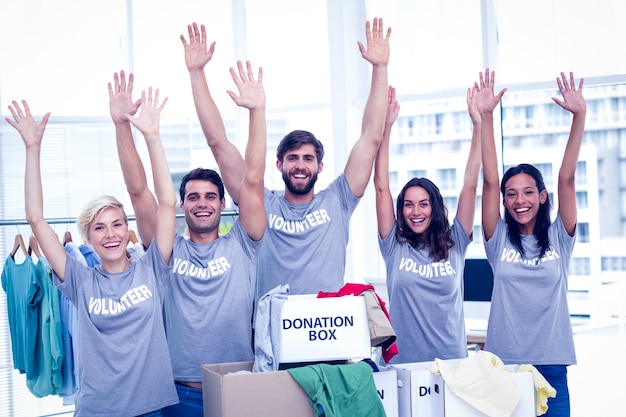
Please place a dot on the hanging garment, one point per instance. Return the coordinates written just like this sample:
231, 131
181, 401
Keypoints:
381, 331
340, 390
34, 324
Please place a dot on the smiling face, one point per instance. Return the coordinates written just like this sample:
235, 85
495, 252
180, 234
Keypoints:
108, 234
522, 199
417, 209
203, 208
299, 168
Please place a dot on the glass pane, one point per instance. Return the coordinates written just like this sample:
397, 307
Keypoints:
544, 37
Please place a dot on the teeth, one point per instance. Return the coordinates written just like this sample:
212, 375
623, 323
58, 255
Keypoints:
111, 245
522, 210
203, 214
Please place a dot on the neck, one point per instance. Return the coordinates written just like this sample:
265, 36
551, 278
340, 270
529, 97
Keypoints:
206, 237
299, 198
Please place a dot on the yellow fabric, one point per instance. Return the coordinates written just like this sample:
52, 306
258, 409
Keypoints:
482, 381
543, 389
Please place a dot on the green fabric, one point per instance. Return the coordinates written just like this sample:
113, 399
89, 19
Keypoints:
340, 390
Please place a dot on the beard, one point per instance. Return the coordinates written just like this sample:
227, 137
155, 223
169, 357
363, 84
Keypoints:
299, 190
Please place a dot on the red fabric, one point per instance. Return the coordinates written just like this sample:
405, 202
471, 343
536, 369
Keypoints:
352, 288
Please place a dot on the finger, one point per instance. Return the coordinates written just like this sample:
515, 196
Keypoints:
26, 108
110, 90
481, 79
122, 80
234, 76
388, 32
242, 73
368, 30
156, 97
260, 76
182, 38
250, 72
565, 86
571, 81
493, 78
203, 34
580, 84
196, 32
190, 32
163, 104
131, 82
44, 121
560, 85
149, 97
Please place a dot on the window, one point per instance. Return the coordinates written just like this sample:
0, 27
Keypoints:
446, 179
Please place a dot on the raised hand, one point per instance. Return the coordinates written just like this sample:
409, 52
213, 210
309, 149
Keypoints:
120, 98
377, 51
149, 115
23, 121
251, 91
573, 100
472, 105
486, 101
393, 107
196, 53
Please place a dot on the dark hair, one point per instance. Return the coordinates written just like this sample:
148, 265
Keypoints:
204, 175
437, 236
542, 223
295, 140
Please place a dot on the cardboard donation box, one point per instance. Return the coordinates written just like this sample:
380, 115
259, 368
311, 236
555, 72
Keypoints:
232, 390
260, 394
420, 392
324, 329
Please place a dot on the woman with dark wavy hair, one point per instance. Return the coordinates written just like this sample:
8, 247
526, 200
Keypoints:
529, 254
424, 254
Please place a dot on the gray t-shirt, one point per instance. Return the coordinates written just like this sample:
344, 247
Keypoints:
124, 367
305, 244
426, 298
529, 322
209, 305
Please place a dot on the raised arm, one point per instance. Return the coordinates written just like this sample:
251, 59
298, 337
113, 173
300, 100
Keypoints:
142, 199
487, 102
384, 201
359, 166
229, 160
148, 123
573, 102
32, 135
467, 198
252, 96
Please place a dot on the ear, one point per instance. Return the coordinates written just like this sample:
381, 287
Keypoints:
279, 165
181, 205
320, 167
543, 196
223, 204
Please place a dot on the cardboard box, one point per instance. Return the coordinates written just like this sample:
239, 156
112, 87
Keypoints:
226, 393
260, 394
324, 329
420, 392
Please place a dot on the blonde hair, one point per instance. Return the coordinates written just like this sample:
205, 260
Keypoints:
92, 209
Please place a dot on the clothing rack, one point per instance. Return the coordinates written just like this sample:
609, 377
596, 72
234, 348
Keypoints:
70, 220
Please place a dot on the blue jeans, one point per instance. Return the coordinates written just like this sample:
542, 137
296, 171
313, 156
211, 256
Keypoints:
190, 404
556, 375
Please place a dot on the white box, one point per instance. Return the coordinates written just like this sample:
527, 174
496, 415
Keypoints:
420, 392
386, 381
324, 329
456, 406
